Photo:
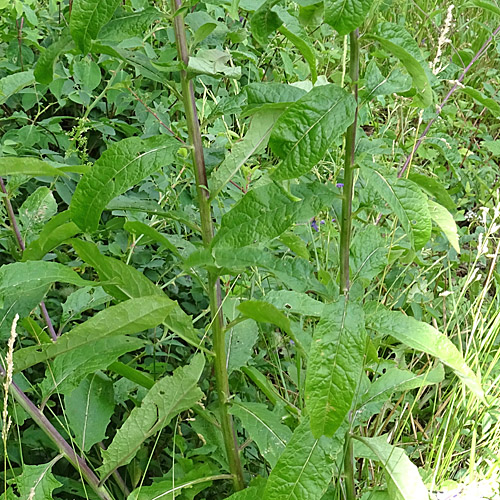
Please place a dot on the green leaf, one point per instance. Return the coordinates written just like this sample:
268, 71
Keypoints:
129, 25
44, 68
433, 187
335, 365
487, 5
18, 165
55, 232
37, 482
294, 302
304, 469
120, 167
213, 62
69, 369
138, 228
446, 223
24, 284
402, 45
89, 409
12, 84
305, 131
493, 147
265, 21
254, 142
296, 244
87, 73
377, 84
251, 492
368, 253
346, 15
489, 103
259, 95
87, 19
264, 428
403, 480
202, 32
126, 318
423, 337
37, 209
408, 203
167, 398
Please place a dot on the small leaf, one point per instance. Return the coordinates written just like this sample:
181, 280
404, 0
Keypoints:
202, 32
335, 365
346, 15
89, 409
37, 209
446, 223
138, 228
423, 337
213, 62
305, 131
408, 203
167, 398
264, 428
120, 167
87, 19
37, 482
126, 318
298, 37
12, 84
401, 44
403, 480
44, 69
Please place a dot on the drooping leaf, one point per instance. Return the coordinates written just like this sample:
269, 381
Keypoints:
87, 19
68, 369
423, 337
335, 365
255, 140
139, 228
37, 482
44, 69
408, 203
122, 165
12, 84
433, 187
304, 132
446, 223
264, 428
401, 44
304, 469
377, 84
488, 102
346, 15
403, 480
168, 397
20, 165
126, 318
89, 409
129, 24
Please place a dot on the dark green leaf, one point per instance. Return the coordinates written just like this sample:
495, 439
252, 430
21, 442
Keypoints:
346, 15
44, 69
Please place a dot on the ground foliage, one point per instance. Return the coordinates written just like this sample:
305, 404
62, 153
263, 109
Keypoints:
386, 391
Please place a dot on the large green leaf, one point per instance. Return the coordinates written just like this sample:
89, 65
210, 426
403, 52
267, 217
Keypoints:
304, 469
433, 187
168, 397
37, 482
305, 131
446, 223
251, 492
368, 253
407, 201
346, 15
12, 84
403, 480
129, 24
20, 165
401, 44
425, 338
44, 69
335, 365
120, 167
87, 19
131, 316
264, 428
89, 409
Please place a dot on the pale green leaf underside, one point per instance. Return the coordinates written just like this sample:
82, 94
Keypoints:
446, 223
19, 165
12, 84
168, 397
346, 15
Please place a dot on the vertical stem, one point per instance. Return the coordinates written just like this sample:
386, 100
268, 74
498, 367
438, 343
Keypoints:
214, 289
350, 145
350, 486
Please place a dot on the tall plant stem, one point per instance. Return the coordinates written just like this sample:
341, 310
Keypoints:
350, 146
350, 487
214, 289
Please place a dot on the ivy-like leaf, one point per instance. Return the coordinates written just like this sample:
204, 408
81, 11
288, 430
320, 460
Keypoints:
87, 19
120, 167
305, 131
346, 15
408, 202
446, 223
335, 365
168, 397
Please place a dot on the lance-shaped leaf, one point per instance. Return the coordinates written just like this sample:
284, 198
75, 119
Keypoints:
305, 131
87, 19
408, 203
19, 165
304, 469
12, 84
425, 338
346, 15
334, 366
167, 398
403, 480
401, 44
24, 284
89, 409
44, 69
129, 25
126, 318
120, 167
446, 223
264, 428
433, 187
138, 228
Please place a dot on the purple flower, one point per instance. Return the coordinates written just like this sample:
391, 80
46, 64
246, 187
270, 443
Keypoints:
321, 222
314, 225
339, 184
